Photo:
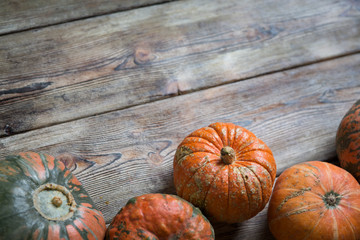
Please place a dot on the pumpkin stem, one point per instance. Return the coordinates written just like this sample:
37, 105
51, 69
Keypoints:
48, 201
56, 201
228, 155
331, 199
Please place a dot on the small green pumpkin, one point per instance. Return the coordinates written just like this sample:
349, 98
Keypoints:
41, 199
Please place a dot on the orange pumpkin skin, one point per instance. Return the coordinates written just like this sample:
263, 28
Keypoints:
315, 200
348, 141
226, 171
159, 216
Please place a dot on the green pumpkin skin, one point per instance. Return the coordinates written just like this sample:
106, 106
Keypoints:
41, 199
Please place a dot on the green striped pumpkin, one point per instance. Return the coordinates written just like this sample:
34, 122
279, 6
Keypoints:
348, 141
41, 199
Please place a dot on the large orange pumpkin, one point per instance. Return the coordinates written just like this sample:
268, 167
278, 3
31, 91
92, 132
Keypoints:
315, 200
348, 141
159, 216
226, 171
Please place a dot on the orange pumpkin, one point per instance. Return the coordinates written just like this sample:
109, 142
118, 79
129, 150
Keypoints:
348, 141
226, 171
159, 216
315, 200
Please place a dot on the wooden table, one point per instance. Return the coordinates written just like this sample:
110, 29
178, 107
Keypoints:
112, 87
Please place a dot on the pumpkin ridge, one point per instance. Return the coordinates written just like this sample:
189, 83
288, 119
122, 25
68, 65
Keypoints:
294, 189
349, 193
187, 181
295, 194
96, 216
214, 154
219, 142
191, 140
240, 147
88, 229
238, 162
46, 168
231, 134
328, 174
228, 201
203, 138
301, 167
42, 234
220, 134
209, 131
300, 210
246, 189
313, 228
348, 221
261, 185
335, 225
212, 181
353, 207
22, 170
34, 166
267, 150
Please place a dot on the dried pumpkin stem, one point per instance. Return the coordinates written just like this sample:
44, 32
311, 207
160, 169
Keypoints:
56, 201
228, 155
331, 199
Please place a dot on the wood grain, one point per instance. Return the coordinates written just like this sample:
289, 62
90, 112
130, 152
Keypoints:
129, 152
75, 70
19, 15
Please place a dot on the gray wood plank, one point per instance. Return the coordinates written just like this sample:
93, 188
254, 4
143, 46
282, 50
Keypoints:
126, 153
75, 70
19, 15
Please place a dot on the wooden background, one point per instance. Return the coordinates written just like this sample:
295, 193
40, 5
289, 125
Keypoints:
112, 87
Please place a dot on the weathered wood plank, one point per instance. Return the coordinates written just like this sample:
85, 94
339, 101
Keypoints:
75, 70
129, 152
20, 15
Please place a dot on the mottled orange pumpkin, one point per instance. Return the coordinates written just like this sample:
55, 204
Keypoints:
226, 171
159, 216
315, 200
348, 141
41, 199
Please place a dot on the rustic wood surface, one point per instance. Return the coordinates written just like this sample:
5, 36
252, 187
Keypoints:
115, 61
112, 96
18, 15
129, 152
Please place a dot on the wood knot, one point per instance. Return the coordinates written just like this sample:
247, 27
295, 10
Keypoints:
67, 159
143, 56
155, 158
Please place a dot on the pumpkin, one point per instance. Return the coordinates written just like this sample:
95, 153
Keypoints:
41, 199
315, 200
159, 216
348, 141
226, 171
